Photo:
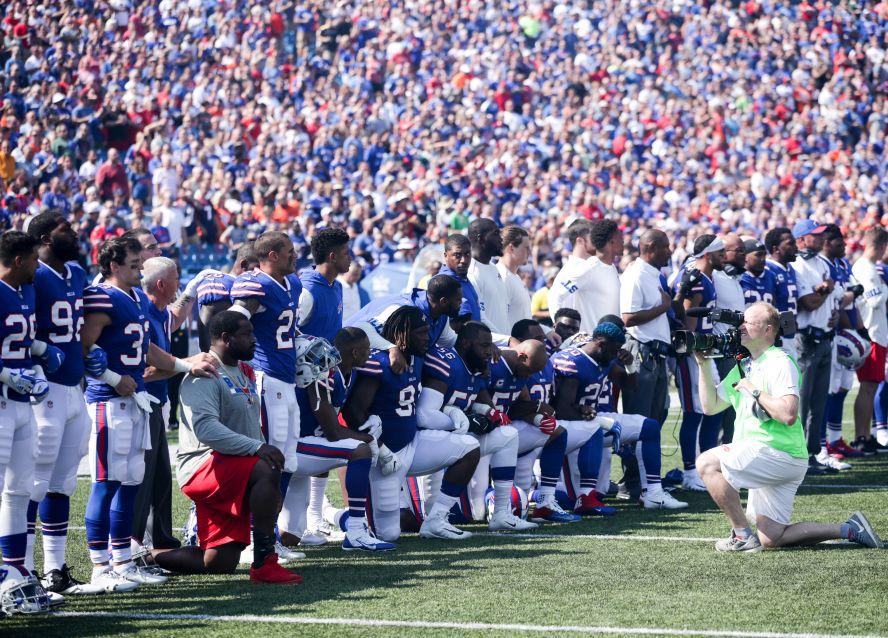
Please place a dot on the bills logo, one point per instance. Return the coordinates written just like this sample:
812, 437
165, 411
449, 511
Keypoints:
279, 395
49, 404
123, 406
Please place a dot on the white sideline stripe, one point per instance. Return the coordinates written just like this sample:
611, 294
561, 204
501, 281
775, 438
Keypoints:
479, 626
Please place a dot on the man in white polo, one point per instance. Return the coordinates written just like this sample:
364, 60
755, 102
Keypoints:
768, 455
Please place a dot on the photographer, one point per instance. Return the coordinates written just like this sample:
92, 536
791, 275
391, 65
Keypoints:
768, 454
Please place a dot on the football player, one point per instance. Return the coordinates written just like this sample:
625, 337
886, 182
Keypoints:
758, 282
22, 379
391, 396
454, 398
213, 290
115, 320
782, 252
62, 421
325, 445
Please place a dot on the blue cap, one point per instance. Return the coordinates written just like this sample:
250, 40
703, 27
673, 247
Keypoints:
807, 227
610, 331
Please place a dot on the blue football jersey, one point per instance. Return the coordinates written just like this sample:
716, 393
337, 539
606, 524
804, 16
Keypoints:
841, 272
335, 387
159, 333
377, 311
706, 289
326, 314
17, 331
786, 289
503, 385
470, 304
882, 269
445, 365
59, 313
576, 364
274, 323
606, 397
395, 400
761, 288
214, 287
125, 340
541, 385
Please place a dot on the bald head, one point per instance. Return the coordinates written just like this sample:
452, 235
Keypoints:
735, 251
653, 248
532, 355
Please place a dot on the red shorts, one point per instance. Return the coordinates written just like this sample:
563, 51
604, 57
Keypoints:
873, 369
219, 489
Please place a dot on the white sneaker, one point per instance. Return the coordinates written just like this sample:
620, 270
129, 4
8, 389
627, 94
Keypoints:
692, 481
365, 540
285, 554
438, 526
332, 532
313, 538
246, 557
882, 436
141, 576
508, 522
829, 461
661, 500
108, 580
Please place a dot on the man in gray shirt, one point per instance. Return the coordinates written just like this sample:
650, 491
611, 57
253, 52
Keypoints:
225, 466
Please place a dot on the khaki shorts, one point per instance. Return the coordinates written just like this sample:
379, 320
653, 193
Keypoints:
771, 476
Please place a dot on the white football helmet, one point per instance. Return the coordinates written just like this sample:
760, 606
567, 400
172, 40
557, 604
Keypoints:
577, 341
314, 358
21, 593
852, 349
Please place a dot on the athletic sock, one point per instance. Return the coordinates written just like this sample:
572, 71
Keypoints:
650, 452
551, 458
54, 512
121, 523
503, 480
32, 534
357, 484
263, 546
742, 532
98, 519
687, 438
285, 483
589, 462
14, 529
448, 497
318, 486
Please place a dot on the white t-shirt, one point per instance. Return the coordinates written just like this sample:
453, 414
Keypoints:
640, 290
492, 296
590, 287
351, 298
517, 294
872, 303
810, 273
728, 296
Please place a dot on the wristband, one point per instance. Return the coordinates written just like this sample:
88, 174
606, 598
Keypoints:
238, 308
111, 378
180, 365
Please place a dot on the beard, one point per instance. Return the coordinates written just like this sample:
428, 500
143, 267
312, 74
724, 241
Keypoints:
65, 249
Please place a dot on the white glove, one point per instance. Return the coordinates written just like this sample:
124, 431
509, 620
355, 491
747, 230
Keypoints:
191, 289
458, 417
144, 401
22, 380
372, 426
374, 452
388, 462
40, 388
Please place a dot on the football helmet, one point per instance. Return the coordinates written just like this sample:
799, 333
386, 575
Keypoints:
852, 349
21, 593
518, 498
314, 358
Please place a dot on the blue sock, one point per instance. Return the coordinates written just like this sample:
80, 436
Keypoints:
589, 461
121, 522
357, 484
550, 462
98, 519
13, 547
32, 516
880, 405
54, 512
285, 483
710, 426
650, 451
687, 438
832, 421
451, 489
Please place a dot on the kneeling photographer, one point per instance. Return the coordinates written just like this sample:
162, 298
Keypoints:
768, 455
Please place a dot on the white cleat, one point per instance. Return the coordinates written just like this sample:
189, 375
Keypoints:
829, 461
508, 522
313, 538
882, 436
692, 481
365, 540
285, 554
439, 527
108, 580
140, 575
332, 532
661, 500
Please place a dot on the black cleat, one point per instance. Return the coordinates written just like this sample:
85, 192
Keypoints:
61, 581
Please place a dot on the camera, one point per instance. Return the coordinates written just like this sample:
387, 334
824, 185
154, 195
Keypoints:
727, 344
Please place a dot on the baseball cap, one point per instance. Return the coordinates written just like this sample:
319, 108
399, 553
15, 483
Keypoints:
807, 227
753, 246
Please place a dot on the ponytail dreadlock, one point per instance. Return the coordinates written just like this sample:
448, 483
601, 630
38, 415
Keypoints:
401, 323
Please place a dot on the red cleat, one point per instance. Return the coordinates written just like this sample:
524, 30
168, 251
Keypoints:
589, 505
840, 450
271, 572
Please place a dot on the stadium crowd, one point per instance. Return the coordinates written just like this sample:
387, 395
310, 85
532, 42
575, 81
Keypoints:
637, 167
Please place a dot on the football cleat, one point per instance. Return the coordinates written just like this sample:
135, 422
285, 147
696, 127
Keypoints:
589, 505
110, 581
863, 531
508, 522
287, 555
691, 481
272, 573
840, 449
61, 581
366, 541
550, 510
661, 500
750, 544
865, 445
313, 538
22, 593
816, 468
881, 437
826, 459
439, 527
140, 575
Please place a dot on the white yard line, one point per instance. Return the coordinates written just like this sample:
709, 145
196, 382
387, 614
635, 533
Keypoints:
477, 626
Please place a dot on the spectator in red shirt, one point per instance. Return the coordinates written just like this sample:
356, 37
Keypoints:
112, 176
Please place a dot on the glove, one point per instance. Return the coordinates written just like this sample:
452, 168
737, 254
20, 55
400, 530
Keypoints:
480, 424
144, 401
22, 380
190, 291
689, 279
616, 432
547, 424
498, 418
39, 390
96, 362
458, 417
388, 462
51, 356
372, 426
374, 452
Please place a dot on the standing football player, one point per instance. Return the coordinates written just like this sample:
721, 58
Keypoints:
213, 290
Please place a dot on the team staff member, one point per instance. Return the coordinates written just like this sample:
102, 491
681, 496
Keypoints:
768, 455
487, 243
225, 466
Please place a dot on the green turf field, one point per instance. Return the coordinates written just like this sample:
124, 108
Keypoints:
639, 572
